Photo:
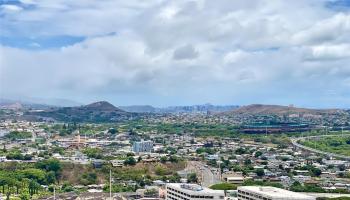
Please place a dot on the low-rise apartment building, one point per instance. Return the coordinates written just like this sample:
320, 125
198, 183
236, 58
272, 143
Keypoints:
181, 191
269, 193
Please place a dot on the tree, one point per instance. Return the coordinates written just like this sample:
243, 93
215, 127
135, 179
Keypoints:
2, 183
14, 135
112, 131
151, 192
174, 178
247, 162
33, 187
67, 187
260, 172
173, 159
24, 196
257, 154
316, 172
342, 167
50, 177
36, 175
93, 153
130, 154
192, 178
223, 186
130, 161
240, 151
159, 170
50, 165
163, 159
88, 178
10, 182
27, 157
298, 187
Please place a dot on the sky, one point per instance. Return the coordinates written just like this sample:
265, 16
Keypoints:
162, 53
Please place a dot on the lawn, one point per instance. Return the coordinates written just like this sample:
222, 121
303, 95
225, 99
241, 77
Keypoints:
335, 144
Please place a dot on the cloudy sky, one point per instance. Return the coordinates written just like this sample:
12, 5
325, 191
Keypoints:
177, 52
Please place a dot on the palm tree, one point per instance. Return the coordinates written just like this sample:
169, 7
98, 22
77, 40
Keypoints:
2, 183
10, 182
33, 187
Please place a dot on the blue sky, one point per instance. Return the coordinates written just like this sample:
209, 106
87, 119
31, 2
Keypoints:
177, 52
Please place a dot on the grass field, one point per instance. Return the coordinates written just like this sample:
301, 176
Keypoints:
335, 144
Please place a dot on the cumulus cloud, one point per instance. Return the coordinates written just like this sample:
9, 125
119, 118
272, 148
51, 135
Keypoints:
329, 52
185, 52
234, 56
10, 8
333, 29
177, 52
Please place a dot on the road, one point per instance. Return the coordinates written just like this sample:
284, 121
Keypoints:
296, 144
205, 175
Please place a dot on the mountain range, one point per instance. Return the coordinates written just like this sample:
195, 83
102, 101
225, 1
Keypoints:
256, 109
36, 103
104, 111
101, 111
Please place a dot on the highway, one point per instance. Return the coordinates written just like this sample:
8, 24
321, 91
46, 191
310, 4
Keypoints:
205, 174
296, 144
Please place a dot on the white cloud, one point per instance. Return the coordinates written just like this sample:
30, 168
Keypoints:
168, 13
329, 52
188, 51
235, 56
185, 52
333, 29
10, 8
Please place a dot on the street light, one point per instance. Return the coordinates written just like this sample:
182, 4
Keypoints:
110, 184
342, 131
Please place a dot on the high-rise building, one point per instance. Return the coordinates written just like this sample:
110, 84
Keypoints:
142, 146
269, 193
183, 191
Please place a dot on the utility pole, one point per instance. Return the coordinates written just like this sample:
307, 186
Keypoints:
315, 144
54, 192
110, 184
342, 131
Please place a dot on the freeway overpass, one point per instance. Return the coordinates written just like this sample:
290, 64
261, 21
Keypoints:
205, 174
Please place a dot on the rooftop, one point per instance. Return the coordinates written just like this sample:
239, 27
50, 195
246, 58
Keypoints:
274, 192
194, 188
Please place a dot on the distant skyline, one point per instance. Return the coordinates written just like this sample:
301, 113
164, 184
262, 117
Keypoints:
165, 53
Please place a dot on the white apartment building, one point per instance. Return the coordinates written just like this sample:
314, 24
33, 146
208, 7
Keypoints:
269, 193
182, 191
142, 146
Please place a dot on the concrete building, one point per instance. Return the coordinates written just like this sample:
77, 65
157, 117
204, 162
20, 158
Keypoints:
142, 146
117, 163
181, 191
269, 193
